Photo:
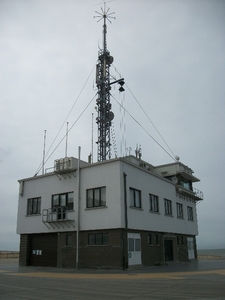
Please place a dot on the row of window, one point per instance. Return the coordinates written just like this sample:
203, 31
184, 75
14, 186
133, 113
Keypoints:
103, 239
93, 239
135, 201
59, 200
97, 198
154, 239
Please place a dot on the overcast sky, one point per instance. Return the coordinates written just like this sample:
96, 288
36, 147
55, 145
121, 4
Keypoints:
172, 57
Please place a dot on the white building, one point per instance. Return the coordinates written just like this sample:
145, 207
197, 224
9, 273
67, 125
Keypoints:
115, 213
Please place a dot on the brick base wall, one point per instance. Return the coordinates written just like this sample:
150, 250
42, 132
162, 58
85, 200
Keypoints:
24, 249
112, 255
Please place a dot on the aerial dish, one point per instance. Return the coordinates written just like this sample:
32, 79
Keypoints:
177, 158
110, 116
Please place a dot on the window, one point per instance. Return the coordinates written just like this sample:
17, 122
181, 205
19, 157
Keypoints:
96, 197
149, 239
168, 207
156, 239
63, 200
190, 213
180, 210
135, 198
98, 239
154, 203
69, 240
34, 206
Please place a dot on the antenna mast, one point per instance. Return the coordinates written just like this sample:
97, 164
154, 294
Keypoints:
105, 115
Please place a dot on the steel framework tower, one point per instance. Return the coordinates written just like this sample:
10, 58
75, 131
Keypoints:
105, 115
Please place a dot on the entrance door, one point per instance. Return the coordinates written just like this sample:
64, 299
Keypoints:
168, 247
191, 252
43, 250
134, 249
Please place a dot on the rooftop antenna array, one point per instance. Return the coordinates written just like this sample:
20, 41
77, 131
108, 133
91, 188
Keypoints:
105, 114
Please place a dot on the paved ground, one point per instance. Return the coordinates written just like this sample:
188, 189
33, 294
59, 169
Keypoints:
204, 279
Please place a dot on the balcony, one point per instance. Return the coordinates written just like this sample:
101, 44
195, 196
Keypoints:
56, 218
184, 192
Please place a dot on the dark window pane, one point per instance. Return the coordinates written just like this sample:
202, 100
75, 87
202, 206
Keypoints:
131, 197
63, 200
39, 206
34, 208
103, 196
89, 198
98, 238
55, 200
130, 244
105, 239
96, 197
137, 245
29, 206
91, 239
69, 240
70, 201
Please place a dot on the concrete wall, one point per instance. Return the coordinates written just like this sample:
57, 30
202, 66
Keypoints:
109, 174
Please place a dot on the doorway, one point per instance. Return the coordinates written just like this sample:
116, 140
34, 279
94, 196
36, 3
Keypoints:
168, 247
134, 249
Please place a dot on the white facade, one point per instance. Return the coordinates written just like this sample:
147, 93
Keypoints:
107, 174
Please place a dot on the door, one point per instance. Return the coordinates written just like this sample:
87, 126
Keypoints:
43, 250
168, 247
134, 249
191, 252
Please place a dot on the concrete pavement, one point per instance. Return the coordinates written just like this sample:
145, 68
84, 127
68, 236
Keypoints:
193, 280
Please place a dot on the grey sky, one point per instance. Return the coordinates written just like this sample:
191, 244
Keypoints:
171, 54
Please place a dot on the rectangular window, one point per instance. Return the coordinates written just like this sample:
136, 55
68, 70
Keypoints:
154, 203
64, 200
190, 213
69, 240
168, 207
34, 206
135, 198
149, 239
98, 239
156, 239
180, 210
96, 197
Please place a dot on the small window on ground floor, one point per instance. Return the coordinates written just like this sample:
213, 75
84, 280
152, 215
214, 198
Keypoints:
69, 240
149, 239
98, 239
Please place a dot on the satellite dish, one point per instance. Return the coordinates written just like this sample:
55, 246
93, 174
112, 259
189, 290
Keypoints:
177, 158
110, 116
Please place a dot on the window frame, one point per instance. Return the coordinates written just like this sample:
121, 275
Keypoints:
168, 207
69, 240
154, 203
34, 206
59, 198
150, 239
134, 202
98, 239
190, 213
94, 202
180, 210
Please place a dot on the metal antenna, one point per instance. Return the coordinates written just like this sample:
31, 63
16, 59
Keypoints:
43, 161
105, 115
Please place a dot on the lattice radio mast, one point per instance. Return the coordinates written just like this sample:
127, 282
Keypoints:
105, 115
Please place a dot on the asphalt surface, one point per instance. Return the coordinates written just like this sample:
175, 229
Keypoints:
203, 279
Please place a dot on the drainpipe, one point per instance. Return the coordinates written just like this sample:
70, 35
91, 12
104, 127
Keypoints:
125, 250
78, 208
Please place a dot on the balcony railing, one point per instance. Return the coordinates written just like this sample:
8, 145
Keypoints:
194, 194
56, 217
